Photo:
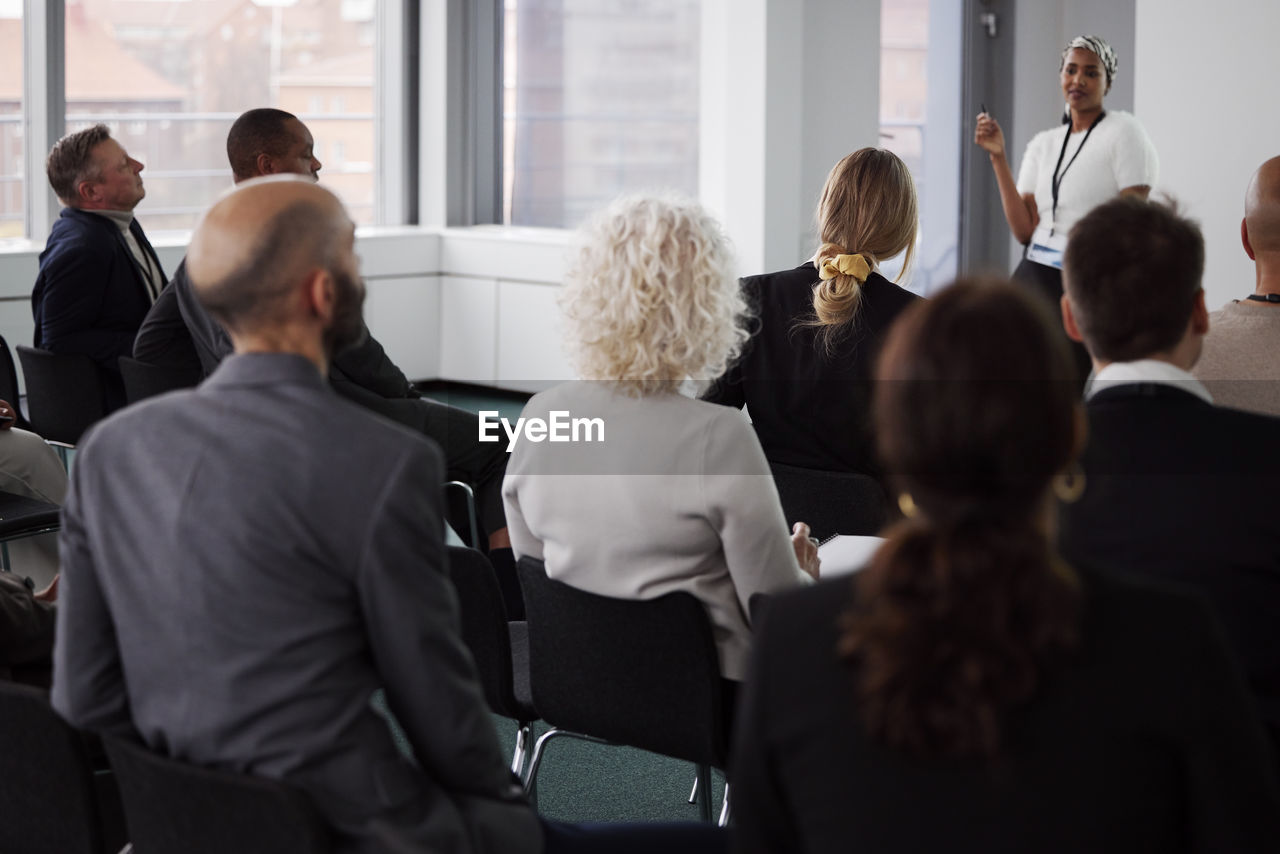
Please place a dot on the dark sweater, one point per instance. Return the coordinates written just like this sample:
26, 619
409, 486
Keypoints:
810, 409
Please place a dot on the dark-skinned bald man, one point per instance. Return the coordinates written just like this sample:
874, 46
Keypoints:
1240, 363
179, 332
246, 563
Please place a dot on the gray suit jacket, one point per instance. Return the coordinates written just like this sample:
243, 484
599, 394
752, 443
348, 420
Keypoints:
244, 565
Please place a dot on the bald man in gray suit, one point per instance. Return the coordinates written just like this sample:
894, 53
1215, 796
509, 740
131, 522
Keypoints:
246, 563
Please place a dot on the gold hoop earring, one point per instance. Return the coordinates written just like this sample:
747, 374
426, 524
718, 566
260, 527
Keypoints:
907, 505
1069, 485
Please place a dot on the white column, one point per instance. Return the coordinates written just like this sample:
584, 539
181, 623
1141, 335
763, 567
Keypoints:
1211, 130
788, 88
391, 129
45, 102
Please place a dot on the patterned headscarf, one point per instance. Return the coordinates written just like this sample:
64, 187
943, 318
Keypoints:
1104, 51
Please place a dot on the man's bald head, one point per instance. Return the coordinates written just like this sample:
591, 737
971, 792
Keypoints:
260, 242
1262, 208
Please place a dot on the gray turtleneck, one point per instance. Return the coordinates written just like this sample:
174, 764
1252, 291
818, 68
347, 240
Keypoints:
151, 272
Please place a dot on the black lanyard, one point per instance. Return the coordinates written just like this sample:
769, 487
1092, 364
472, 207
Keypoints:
1057, 178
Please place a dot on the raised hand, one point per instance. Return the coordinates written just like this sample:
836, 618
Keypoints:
988, 135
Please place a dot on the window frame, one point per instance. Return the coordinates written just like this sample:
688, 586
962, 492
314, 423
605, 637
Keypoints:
396, 120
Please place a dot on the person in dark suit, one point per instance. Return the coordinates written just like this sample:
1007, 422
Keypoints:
1177, 488
178, 332
98, 274
969, 690
804, 376
245, 564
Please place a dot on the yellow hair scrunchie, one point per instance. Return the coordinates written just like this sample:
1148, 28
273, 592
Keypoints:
845, 265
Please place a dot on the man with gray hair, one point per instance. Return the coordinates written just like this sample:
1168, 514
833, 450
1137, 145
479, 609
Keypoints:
98, 273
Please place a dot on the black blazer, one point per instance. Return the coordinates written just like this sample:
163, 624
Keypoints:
1143, 739
1184, 491
90, 296
809, 409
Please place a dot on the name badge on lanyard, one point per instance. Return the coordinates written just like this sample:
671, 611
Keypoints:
1047, 249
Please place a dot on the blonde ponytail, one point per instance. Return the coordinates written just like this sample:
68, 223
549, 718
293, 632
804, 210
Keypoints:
838, 293
867, 214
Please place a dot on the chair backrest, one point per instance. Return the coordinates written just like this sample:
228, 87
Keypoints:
144, 379
64, 393
831, 502
47, 793
638, 672
485, 630
175, 806
9, 383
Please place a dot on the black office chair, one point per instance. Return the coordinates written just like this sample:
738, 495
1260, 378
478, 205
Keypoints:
50, 798
65, 394
143, 379
9, 384
21, 517
175, 806
643, 673
500, 649
831, 502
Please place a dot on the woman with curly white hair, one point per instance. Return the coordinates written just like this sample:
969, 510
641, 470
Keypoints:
671, 493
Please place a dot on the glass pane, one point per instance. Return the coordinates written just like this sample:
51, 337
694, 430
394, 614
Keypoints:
600, 98
170, 76
921, 47
13, 220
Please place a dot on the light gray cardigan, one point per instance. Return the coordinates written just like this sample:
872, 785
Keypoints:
678, 496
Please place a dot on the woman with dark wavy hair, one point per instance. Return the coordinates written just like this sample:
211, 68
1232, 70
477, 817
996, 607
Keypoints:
970, 691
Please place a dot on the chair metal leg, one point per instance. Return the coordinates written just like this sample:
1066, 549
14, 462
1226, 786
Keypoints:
704, 803
4, 556
539, 747
725, 813
523, 731
693, 794
472, 520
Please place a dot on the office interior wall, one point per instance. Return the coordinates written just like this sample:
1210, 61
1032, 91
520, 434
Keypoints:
788, 88
1205, 86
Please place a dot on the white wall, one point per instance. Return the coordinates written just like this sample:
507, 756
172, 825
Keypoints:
788, 88
1209, 104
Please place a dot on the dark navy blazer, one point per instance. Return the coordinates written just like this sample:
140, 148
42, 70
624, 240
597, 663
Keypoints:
90, 296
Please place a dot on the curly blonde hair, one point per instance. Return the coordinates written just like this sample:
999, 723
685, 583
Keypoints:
652, 297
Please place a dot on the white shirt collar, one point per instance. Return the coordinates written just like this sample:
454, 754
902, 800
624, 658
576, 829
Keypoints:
1145, 371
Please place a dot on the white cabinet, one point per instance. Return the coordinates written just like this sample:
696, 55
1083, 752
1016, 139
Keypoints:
530, 356
468, 329
403, 313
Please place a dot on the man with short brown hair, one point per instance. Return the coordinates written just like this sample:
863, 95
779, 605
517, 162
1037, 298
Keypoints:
1175, 487
98, 273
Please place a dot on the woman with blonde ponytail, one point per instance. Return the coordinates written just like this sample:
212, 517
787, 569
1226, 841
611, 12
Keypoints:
805, 374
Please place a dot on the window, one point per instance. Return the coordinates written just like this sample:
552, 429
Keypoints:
600, 97
920, 122
175, 74
12, 162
